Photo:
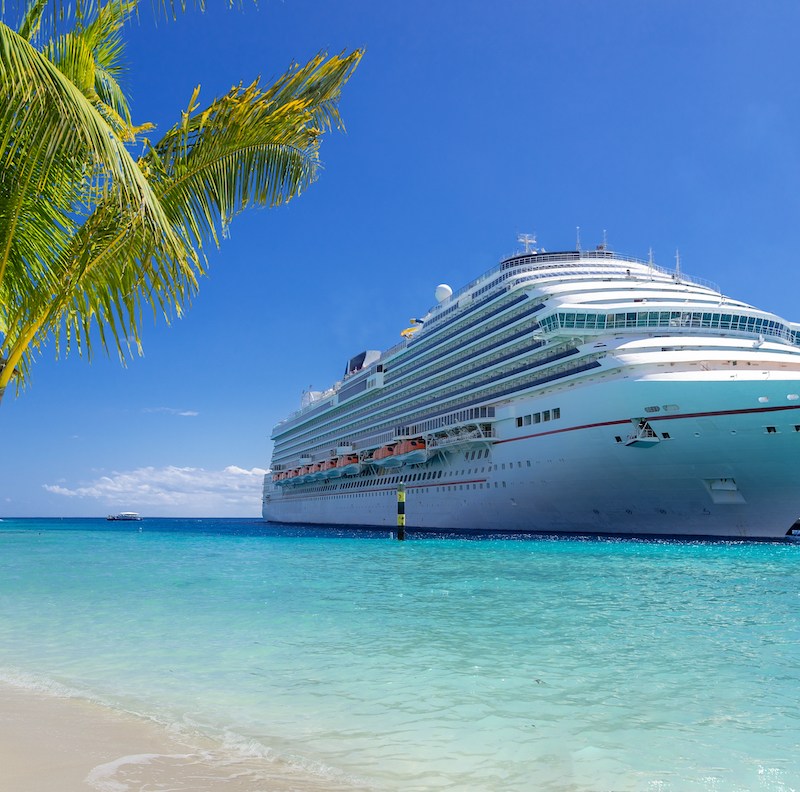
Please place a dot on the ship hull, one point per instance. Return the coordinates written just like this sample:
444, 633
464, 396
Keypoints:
724, 463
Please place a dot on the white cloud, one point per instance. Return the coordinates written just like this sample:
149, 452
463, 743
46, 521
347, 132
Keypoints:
174, 491
171, 411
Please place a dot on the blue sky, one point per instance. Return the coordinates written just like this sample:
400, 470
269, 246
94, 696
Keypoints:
671, 125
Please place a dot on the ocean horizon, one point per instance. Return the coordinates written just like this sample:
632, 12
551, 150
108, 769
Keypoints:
572, 663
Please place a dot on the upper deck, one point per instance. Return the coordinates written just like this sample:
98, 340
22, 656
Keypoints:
524, 267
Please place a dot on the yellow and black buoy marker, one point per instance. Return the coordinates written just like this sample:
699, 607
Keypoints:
401, 511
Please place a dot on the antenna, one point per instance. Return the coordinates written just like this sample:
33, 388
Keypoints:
677, 264
578, 238
527, 240
650, 262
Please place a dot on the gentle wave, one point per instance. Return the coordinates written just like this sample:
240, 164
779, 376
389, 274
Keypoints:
439, 664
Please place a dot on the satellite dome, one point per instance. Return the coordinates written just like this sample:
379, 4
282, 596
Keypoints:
443, 292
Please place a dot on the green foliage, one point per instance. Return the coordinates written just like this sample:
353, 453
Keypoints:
91, 236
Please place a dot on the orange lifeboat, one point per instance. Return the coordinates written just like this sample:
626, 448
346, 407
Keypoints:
411, 452
384, 456
332, 469
348, 465
315, 472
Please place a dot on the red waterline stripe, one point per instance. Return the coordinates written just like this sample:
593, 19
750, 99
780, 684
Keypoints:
625, 421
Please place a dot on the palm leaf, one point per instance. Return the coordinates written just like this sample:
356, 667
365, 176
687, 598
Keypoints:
99, 274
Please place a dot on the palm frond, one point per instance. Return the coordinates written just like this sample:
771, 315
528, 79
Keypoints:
56, 146
91, 240
251, 147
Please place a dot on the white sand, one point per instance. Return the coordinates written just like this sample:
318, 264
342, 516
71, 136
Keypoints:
51, 744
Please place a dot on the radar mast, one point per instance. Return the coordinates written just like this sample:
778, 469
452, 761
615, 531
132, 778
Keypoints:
528, 240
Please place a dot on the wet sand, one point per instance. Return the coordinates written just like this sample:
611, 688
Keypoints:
52, 744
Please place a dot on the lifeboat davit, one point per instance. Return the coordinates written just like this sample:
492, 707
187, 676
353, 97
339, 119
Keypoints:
349, 465
384, 456
411, 452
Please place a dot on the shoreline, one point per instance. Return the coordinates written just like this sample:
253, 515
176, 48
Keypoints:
50, 743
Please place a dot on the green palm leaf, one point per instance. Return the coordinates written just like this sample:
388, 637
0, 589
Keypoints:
91, 239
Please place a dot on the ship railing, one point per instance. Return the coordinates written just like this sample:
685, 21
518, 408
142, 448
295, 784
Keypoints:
522, 264
366, 444
524, 274
569, 259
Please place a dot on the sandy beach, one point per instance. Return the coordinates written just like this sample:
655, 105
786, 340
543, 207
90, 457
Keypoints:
53, 744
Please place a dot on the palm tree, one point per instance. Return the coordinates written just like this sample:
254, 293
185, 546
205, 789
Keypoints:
90, 236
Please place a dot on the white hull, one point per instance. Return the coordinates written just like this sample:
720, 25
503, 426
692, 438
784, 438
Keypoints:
728, 468
565, 392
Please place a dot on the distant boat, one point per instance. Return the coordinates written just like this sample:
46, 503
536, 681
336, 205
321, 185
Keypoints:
124, 516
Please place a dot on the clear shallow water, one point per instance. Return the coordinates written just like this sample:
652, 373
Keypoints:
424, 665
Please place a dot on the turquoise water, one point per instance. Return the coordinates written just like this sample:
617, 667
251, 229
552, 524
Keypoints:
442, 663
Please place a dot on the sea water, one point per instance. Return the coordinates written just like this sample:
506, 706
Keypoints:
431, 664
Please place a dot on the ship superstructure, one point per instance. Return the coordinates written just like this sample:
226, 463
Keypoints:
560, 391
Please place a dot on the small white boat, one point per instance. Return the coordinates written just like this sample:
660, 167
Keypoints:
124, 516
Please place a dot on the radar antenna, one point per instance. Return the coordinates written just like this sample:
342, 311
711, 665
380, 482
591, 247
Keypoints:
528, 240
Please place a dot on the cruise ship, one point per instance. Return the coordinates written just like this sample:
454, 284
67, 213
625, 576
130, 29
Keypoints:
561, 392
